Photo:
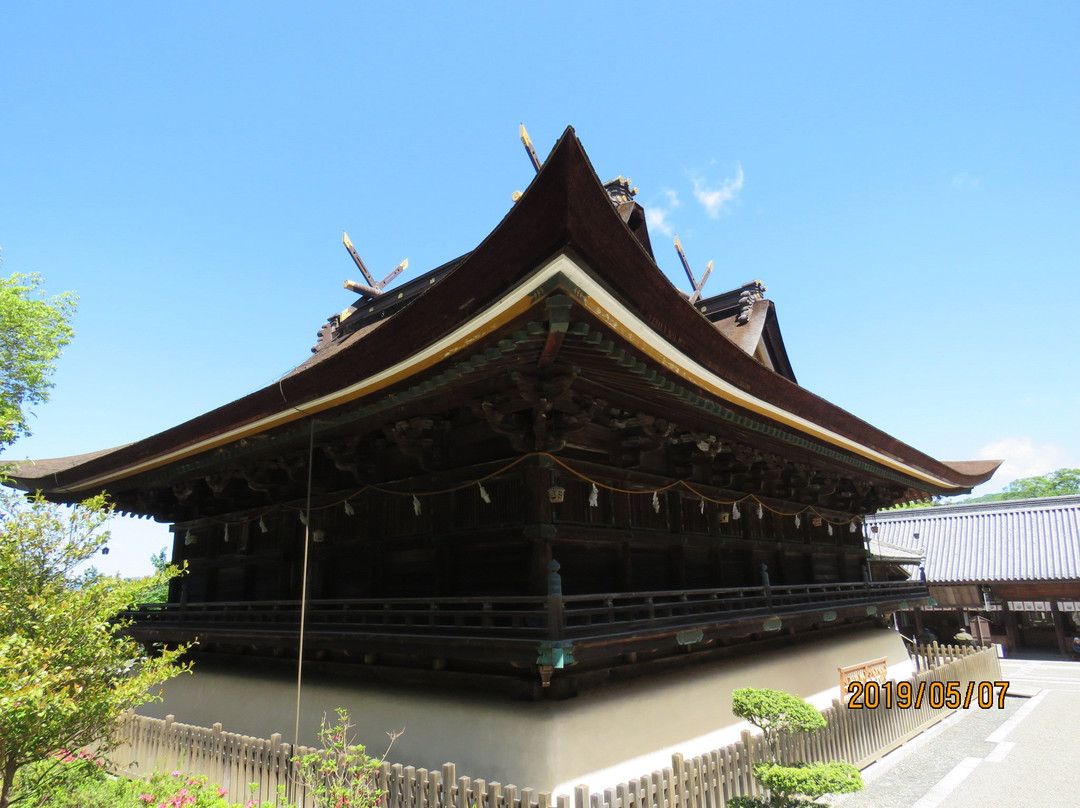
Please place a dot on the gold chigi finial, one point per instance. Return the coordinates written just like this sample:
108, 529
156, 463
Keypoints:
529, 148
696, 285
371, 288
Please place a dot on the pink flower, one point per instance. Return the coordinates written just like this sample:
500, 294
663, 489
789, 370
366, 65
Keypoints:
175, 773
222, 791
147, 798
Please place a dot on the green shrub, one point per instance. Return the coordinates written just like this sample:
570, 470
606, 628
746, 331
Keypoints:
766, 802
81, 780
798, 784
809, 779
69, 780
342, 774
775, 712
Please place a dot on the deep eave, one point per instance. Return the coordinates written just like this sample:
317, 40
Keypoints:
564, 215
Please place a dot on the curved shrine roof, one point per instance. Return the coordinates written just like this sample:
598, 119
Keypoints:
562, 237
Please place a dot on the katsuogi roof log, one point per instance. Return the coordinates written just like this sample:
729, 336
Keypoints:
565, 270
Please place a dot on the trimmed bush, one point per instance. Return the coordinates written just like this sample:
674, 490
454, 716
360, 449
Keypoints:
809, 779
795, 785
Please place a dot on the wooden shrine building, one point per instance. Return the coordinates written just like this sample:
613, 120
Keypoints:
1006, 572
539, 467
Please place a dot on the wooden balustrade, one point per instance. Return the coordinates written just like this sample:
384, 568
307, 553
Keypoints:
540, 617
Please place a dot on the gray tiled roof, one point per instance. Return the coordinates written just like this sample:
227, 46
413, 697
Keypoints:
892, 554
1015, 540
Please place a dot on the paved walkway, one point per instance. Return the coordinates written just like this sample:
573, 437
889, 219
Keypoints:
1025, 754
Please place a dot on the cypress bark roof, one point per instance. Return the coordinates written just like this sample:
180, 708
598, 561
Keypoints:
563, 236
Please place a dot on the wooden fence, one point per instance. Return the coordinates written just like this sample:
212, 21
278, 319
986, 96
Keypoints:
860, 736
934, 655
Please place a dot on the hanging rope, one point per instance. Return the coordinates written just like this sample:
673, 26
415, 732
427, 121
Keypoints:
415, 496
306, 519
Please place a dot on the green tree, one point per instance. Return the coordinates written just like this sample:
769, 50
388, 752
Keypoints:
1055, 484
777, 713
67, 670
34, 329
160, 593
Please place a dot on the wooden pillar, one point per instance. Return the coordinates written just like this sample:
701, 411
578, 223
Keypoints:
556, 613
210, 536
1059, 629
626, 567
1012, 631
536, 479
620, 510
177, 591
918, 625
539, 559
676, 566
677, 551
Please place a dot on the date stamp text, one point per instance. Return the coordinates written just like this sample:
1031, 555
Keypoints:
870, 695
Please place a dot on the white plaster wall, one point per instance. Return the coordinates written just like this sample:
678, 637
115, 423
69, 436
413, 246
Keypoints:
599, 738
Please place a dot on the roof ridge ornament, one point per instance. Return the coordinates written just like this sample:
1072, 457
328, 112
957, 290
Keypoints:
695, 296
371, 288
620, 190
529, 150
751, 293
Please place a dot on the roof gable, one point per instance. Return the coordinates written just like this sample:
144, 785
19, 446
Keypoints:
562, 236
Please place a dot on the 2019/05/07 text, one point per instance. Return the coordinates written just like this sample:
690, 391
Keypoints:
870, 695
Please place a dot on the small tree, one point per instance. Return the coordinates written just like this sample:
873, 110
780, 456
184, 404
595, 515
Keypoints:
33, 330
342, 774
777, 713
67, 670
160, 593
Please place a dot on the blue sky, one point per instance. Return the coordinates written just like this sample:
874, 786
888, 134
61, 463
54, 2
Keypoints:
903, 178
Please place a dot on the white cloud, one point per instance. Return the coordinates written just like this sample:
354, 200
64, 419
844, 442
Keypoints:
1024, 458
714, 199
657, 220
657, 216
963, 180
1041, 401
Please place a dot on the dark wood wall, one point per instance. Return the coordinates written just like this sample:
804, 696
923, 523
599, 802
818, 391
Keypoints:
459, 545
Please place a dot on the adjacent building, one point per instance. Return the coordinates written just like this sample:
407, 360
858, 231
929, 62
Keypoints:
1006, 571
